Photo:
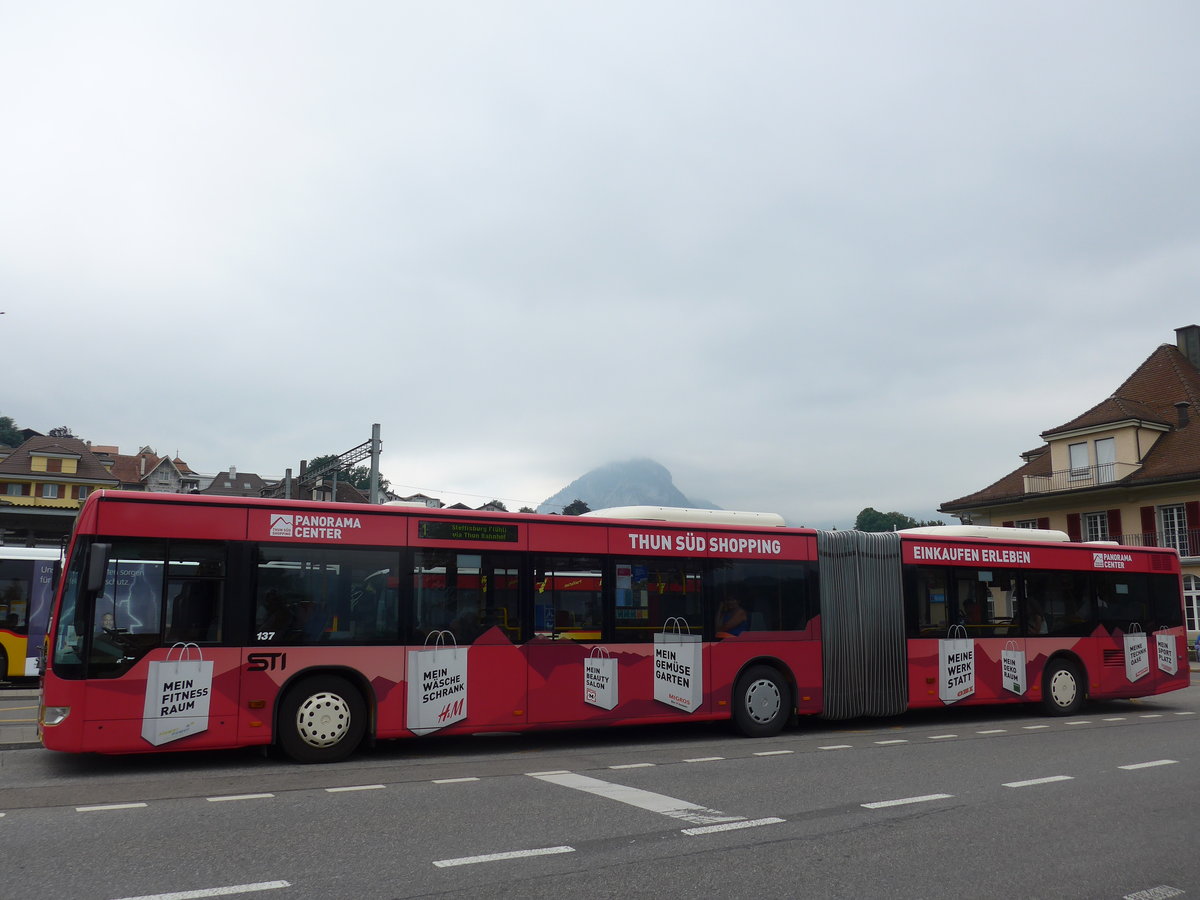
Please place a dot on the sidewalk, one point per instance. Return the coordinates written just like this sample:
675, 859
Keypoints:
18, 718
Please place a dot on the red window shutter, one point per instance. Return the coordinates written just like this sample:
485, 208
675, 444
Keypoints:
1114, 525
1044, 523
1074, 531
1008, 524
1149, 529
1192, 510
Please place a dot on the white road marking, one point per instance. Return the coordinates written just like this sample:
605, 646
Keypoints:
942, 737
216, 892
897, 741
453, 780
1188, 713
1115, 719
1034, 727
240, 797
773, 752
1150, 716
705, 759
356, 787
1148, 765
731, 826
1162, 892
993, 731
1033, 781
925, 799
634, 766
496, 857
1077, 722
837, 747
110, 806
647, 800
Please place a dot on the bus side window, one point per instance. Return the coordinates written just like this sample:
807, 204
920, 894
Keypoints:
193, 611
928, 603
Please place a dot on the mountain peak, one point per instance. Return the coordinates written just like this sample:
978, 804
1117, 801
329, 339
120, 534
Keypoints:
635, 482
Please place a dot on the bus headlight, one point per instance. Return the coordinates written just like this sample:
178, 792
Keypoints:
54, 715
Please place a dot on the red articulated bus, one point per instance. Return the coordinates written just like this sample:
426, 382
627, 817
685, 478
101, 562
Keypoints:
188, 622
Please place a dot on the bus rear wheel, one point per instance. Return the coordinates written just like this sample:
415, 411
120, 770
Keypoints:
322, 719
1062, 688
762, 702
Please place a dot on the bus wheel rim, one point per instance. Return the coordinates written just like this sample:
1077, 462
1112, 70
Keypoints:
323, 720
1063, 688
763, 700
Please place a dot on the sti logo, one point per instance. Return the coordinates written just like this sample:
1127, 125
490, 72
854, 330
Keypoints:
281, 525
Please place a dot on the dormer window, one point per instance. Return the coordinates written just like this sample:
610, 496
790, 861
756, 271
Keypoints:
1079, 460
1106, 459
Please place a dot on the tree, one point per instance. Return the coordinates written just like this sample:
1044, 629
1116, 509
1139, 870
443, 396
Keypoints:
526, 509
61, 431
871, 519
359, 476
9, 434
497, 505
575, 508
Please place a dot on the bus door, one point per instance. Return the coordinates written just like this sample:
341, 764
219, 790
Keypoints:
469, 602
156, 673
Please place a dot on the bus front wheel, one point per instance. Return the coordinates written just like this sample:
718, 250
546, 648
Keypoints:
1062, 688
762, 702
322, 719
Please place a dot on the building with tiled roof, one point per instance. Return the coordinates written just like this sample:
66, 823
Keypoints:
232, 483
43, 483
147, 471
1126, 470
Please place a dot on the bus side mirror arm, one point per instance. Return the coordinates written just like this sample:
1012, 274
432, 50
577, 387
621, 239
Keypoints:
97, 565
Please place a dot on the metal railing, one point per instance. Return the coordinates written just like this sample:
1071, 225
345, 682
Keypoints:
1186, 542
1075, 479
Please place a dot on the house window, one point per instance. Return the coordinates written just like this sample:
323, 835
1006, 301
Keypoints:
13, 490
82, 491
1079, 460
1095, 526
1106, 459
1026, 523
50, 491
1173, 531
1191, 601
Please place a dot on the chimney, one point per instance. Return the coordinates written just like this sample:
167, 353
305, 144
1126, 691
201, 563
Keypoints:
1187, 339
232, 472
1182, 409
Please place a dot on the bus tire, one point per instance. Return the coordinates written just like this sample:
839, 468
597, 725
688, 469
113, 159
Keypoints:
762, 702
1063, 688
322, 719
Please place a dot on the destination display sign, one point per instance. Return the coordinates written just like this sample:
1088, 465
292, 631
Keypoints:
486, 532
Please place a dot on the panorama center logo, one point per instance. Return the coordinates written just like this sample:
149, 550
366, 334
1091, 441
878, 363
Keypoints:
281, 525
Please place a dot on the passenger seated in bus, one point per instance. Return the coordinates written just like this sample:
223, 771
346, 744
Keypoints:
731, 618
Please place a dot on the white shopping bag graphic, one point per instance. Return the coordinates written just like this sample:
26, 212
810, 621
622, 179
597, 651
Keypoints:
437, 683
1137, 653
678, 666
177, 695
956, 665
600, 678
1012, 668
1168, 659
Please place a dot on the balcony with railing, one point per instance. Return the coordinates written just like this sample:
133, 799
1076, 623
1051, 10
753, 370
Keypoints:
1186, 542
1078, 479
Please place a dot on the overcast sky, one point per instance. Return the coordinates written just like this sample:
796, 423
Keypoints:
811, 257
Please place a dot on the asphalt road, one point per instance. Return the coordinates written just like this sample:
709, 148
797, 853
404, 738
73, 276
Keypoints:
962, 803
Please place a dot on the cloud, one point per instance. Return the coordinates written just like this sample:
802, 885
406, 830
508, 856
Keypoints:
810, 258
